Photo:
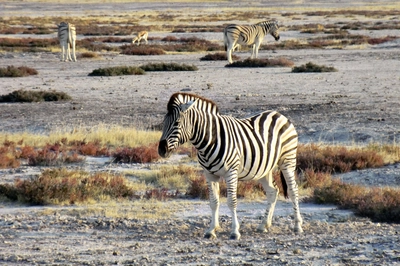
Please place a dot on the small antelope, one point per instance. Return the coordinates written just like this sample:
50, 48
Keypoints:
142, 35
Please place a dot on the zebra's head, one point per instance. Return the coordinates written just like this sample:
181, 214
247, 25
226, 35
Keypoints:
176, 128
274, 30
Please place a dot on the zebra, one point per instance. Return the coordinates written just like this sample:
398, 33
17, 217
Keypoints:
235, 149
67, 38
142, 35
248, 35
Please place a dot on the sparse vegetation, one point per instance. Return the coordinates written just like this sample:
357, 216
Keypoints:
336, 159
378, 204
142, 154
16, 72
168, 67
141, 50
61, 186
311, 67
277, 62
218, 57
117, 71
91, 55
34, 96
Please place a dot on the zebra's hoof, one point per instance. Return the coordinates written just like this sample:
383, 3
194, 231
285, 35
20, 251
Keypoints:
298, 230
262, 230
210, 236
234, 237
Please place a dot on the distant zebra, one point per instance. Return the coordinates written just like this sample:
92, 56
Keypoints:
67, 38
142, 35
248, 35
235, 149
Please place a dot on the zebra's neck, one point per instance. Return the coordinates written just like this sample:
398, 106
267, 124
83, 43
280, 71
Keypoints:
204, 133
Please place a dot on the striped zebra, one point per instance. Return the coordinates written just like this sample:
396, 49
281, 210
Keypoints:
248, 35
142, 35
67, 38
235, 149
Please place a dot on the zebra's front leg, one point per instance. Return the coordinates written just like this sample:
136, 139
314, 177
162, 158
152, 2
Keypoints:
229, 50
272, 195
213, 188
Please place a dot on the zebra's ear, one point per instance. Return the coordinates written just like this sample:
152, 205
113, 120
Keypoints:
187, 106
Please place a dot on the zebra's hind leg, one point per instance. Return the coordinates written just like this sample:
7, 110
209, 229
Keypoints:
213, 188
293, 191
272, 192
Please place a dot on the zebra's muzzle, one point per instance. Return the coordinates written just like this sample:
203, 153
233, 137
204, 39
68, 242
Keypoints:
163, 149
277, 38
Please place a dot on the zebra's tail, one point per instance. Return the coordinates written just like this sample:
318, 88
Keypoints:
284, 186
225, 39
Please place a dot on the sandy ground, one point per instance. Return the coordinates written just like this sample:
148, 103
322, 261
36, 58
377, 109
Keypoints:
358, 104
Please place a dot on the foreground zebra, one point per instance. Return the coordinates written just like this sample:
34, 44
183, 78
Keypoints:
67, 38
142, 35
236, 149
248, 35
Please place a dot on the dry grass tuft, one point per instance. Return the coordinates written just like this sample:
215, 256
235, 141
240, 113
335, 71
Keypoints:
59, 186
34, 96
311, 67
142, 154
16, 72
89, 55
117, 71
218, 57
336, 159
168, 67
141, 50
277, 62
378, 204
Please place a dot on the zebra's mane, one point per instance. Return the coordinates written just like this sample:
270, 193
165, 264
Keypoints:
182, 97
271, 22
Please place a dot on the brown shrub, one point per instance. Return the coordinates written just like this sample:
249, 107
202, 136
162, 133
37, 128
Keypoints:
141, 50
59, 185
14, 72
379, 204
276, 62
142, 154
332, 159
218, 57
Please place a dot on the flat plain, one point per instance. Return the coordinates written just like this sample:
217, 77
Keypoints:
357, 104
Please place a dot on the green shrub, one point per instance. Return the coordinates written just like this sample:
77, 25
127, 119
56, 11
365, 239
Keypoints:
117, 71
34, 96
278, 62
311, 67
16, 72
168, 67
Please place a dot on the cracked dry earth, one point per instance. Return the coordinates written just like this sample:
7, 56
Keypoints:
357, 104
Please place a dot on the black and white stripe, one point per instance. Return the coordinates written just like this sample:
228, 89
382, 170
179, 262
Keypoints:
235, 149
67, 38
248, 35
